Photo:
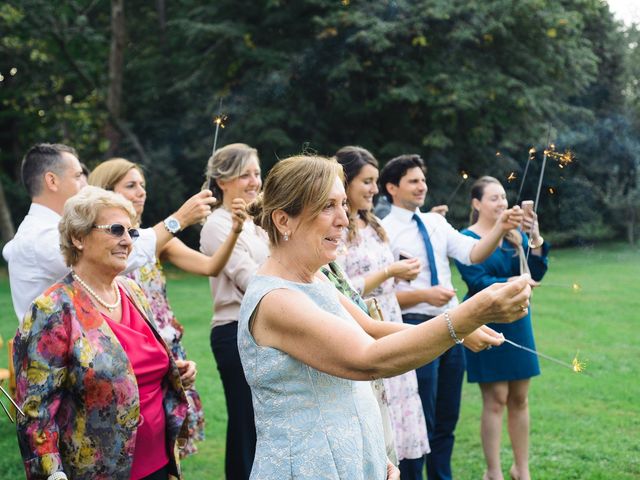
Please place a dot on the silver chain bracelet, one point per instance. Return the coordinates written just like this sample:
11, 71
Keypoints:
452, 332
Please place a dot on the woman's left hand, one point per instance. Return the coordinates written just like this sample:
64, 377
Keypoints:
188, 373
238, 214
530, 226
392, 471
483, 338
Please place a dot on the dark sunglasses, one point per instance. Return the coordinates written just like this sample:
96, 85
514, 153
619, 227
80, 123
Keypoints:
117, 230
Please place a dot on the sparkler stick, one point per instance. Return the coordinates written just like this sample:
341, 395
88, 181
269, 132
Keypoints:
6, 394
575, 365
464, 175
532, 154
574, 286
218, 120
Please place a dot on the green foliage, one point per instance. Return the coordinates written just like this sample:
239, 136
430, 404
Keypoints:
456, 81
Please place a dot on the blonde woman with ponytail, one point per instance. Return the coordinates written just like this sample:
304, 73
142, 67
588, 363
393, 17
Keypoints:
504, 373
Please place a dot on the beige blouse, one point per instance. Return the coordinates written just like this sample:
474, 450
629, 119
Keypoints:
251, 250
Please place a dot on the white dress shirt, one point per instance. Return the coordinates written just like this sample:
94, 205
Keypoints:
404, 237
35, 260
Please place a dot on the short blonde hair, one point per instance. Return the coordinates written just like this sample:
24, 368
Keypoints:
110, 172
79, 216
295, 185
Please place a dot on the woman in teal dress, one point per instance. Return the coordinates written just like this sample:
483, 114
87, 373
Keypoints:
307, 351
504, 373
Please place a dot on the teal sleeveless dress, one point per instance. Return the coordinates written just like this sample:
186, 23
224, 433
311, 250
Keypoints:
309, 424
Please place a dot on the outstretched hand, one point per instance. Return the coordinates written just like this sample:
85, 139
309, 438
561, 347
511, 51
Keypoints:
483, 338
502, 302
196, 209
511, 218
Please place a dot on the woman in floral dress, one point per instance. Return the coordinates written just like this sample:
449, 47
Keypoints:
369, 263
126, 178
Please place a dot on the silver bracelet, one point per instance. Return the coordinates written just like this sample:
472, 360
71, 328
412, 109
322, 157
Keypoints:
58, 476
452, 332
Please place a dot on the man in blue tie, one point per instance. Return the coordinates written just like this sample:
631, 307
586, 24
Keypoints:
429, 237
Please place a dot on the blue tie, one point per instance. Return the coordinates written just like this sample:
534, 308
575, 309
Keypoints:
429, 247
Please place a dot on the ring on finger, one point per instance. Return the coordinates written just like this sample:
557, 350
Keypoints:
523, 308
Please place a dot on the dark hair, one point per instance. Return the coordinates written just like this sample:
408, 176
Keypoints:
353, 159
396, 168
40, 159
477, 192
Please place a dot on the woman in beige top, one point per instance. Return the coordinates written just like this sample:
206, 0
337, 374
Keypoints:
234, 172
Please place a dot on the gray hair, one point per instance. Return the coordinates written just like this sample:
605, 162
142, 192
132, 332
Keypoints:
40, 159
79, 216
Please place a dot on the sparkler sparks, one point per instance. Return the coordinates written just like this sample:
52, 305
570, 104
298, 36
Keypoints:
578, 366
563, 159
511, 177
219, 120
575, 365
575, 287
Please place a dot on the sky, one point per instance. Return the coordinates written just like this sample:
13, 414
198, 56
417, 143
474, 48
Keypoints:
626, 10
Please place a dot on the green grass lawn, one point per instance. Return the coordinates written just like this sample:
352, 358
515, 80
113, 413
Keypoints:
583, 426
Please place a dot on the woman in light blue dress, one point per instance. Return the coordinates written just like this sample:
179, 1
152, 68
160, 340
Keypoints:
307, 351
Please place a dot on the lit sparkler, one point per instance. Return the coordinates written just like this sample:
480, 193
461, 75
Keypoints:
578, 366
575, 365
575, 287
464, 176
511, 177
218, 121
532, 155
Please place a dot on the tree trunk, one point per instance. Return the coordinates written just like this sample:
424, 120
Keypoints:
116, 71
7, 230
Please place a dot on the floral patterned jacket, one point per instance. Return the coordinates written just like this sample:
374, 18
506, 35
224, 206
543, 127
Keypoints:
78, 389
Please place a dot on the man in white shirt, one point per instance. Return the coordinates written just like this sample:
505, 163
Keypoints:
51, 174
429, 237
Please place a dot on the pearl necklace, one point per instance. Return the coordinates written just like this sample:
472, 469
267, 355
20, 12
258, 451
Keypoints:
109, 306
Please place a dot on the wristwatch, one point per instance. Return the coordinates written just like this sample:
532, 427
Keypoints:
172, 225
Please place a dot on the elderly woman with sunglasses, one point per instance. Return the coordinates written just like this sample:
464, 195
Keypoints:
102, 394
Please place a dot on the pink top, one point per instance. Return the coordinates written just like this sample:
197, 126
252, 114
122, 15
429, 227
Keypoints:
150, 364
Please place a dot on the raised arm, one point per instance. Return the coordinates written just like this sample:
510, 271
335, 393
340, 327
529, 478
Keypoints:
509, 220
291, 322
192, 261
194, 210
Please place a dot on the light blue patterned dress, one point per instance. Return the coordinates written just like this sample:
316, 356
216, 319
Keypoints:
310, 425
